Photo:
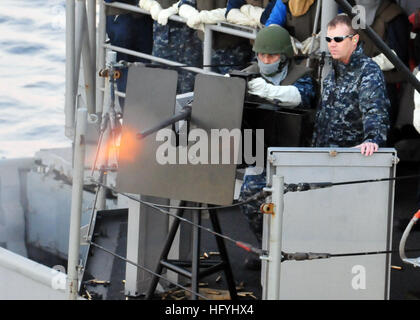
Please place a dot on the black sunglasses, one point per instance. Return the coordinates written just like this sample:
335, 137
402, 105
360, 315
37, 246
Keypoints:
339, 39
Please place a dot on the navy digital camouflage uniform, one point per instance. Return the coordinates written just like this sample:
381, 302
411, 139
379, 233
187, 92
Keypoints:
239, 55
354, 106
232, 58
177, 42
228, 52
306, 88
130, 31
253, 184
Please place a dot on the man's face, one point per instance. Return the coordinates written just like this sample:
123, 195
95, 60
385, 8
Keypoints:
341, 50
268, 58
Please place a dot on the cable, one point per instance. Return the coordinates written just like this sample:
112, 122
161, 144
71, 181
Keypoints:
146, 269
304, 186
246, 246
243, 245
125, 259
252, 198
256, 196
376, 180
301, 256
369, 253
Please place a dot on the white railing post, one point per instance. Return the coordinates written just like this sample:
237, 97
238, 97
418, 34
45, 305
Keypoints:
76, 203
207, 47
70, 95
100, 81
275, 245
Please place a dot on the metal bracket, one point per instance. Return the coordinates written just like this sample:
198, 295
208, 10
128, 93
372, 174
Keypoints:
265, 258
267, 208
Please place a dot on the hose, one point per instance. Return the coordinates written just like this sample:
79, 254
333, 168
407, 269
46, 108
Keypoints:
406, 234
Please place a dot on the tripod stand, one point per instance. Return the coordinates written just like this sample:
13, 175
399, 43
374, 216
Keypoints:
198, 269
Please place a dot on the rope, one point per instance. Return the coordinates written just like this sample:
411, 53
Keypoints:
304, 186
145, 269
301, 256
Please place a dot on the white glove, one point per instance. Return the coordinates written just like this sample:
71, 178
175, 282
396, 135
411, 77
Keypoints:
191, 15
186, 11
237, 17
197, 21
416, 115
155, 9
212, 16
146, 4
252, 12
166, 13
383, 62
287, 95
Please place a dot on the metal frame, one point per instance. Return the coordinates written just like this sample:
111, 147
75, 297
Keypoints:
272, 277
76, 205
195, 264
240, 31
79, 45
278, 161
70, 64
82, 45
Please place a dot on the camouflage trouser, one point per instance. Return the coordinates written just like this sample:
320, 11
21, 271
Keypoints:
253, 184
177, 42
236, 58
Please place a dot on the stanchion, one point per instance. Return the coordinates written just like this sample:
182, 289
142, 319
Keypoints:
76, 203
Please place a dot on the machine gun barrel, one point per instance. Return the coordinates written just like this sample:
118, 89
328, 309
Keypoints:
183, 115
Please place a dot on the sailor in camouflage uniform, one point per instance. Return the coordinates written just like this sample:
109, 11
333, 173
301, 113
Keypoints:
354, 109
130, 31
282, 82
174, 40
229, 52
252, 184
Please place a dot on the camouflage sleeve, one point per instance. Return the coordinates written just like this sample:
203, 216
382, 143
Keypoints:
306, 88
374, 105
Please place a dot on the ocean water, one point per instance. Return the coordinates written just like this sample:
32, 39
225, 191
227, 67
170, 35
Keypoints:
32, 76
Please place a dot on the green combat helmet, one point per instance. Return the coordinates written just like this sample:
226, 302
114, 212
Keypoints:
273, 40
